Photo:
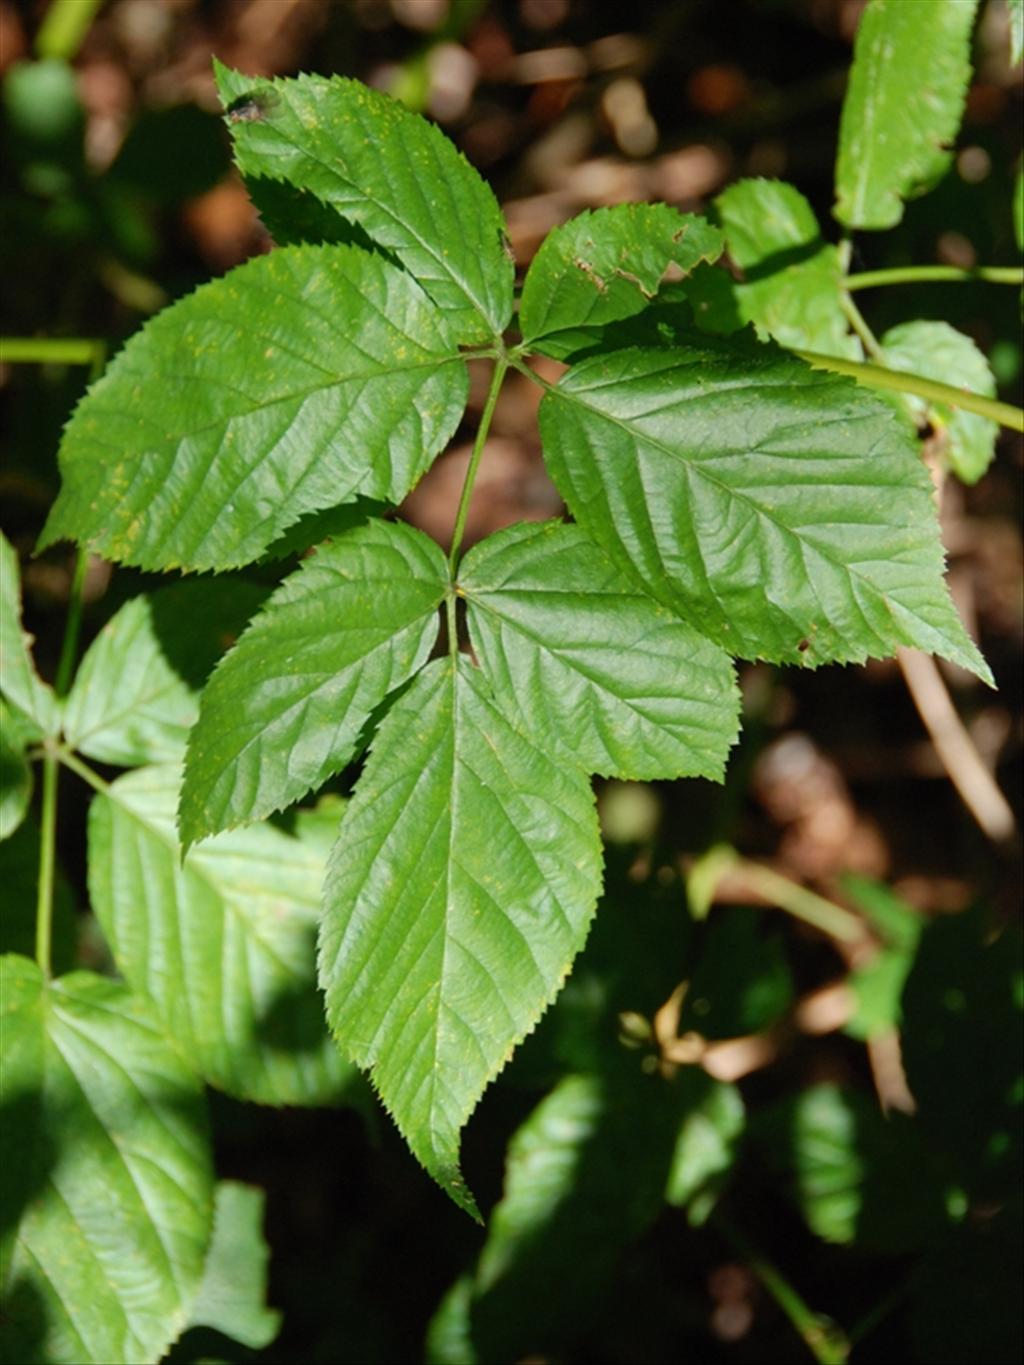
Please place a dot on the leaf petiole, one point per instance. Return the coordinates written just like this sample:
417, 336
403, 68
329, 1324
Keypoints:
925, 274
877, 377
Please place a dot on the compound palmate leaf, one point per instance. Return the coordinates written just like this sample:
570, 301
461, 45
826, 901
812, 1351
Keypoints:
286, 706
606, 265
108, 1184
782, 510
903, 106
300, 380
461, 888
590, 664
224, 946
388, 171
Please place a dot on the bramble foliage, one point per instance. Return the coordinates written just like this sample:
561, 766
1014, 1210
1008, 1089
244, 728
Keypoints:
728, 501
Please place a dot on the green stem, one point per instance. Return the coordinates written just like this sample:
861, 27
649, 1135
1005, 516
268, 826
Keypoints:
822, 1337
877, 377
64, 27
47, 861
73, 625
802, 904
52, 351
856, 320
501, 365
923, 274
72, 762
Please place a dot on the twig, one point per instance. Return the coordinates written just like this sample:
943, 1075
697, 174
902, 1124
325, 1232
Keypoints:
954, 746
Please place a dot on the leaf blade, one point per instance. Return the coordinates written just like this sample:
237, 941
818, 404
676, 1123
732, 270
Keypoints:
223, 946
447, 932
715, 473
903, 106
22, 686
268, 410
285, 708
603, 266
136, 692
114, 1180
390, 172
590, 665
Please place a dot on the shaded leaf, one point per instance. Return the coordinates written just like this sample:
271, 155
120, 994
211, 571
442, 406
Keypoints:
963, 1049
286, 707
461, 888
877, 983
136, 693
791, 277
21, 685
938, 351
589, 664
19, 877
1016, 8
232, 1296
903, 106
388, 171
300, 380
782, 510
15, 771
706, 1145
108, 1183
857, 1176
741, 982
604, 265
224, 945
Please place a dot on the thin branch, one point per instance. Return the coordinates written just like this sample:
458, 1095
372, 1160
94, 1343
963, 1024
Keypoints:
953, 744
924, 274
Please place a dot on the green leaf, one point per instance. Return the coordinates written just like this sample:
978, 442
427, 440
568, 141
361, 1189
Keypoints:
388, 171
963, 1049
782, 510
1018, 209
585, 1176
1016, 8
19, 681
108, 1187
903, 106
791, 287
585, 662
741, 982
877, 983
707, 1143
136, 693
300, 380
938, 351
232, 1296
15, 772
605, 265
224, 946
286, 707
856, 1175
461, 888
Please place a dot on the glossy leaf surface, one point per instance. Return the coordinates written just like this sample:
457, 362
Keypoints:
461, 887
782, 510
589, 664
285, 708
903, 106
606, 265
387, 171
300, 380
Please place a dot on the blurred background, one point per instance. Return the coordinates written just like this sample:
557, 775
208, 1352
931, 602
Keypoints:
117, 196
